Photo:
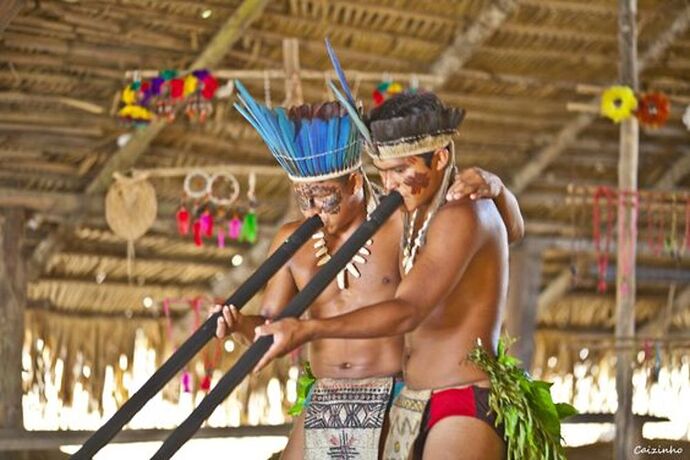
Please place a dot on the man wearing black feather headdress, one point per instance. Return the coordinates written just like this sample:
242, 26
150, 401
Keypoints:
319, 148
448, 305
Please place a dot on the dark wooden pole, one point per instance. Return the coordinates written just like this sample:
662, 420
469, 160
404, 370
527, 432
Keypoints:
12, 302
523, 297
627, 234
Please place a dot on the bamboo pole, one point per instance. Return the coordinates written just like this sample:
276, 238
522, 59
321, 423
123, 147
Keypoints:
627, 235
12, 303
304, 74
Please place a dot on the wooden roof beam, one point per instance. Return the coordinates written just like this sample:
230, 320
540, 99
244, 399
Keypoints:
470, 40
8, 10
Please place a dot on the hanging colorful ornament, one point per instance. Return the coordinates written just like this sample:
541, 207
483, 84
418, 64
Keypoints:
618, 103
129, 95
250, 226
385, 90
686, 117
205, 384
206, 224
135, 114
653, 110
168, 74
395, 88
190, 84
221, 237
210, 86
182, 217
186, 382
378, 97
249, 230
196, 230
234, 227
176, 88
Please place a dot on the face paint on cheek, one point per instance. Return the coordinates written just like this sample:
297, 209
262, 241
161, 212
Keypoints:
331, 205
417, 182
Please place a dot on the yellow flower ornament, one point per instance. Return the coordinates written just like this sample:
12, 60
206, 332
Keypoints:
618, 103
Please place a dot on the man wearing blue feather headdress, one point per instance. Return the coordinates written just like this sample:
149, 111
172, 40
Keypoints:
320, 149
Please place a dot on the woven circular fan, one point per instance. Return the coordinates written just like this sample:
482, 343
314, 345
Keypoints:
130, 207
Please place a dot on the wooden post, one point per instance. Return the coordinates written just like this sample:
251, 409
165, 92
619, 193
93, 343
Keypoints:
293, 83
627, 235
12, 301
523, 297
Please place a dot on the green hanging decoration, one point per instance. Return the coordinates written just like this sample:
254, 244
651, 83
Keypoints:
168, 74
304, 383
532, 421
250, 228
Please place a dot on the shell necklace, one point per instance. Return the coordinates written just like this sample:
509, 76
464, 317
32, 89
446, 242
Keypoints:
322, 257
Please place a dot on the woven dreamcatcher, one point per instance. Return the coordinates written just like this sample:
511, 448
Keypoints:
130, 211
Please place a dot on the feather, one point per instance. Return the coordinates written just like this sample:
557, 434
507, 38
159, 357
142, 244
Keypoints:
320, 130
354, 114
333, 143
339, 71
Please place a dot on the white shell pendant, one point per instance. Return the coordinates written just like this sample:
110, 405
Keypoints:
359, 259
324, 260
323, 257
350, 267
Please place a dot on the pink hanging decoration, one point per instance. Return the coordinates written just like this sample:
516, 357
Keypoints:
234, 227
221, 237
186, 382
196, 228
168, 320
206, 224
182, 218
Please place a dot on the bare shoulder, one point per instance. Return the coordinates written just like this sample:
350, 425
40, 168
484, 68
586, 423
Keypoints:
460, 212
287, 229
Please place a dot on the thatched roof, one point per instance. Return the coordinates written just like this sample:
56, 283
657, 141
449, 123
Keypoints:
514, 66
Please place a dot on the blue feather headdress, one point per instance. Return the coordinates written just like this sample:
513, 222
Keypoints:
311, 142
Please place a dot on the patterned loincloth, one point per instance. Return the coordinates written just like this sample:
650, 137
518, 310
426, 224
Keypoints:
344, 418
405, 423
415, 413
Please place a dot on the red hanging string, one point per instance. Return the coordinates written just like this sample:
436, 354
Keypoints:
661, 223
650, 224
596, 235
198, 241
686, 238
